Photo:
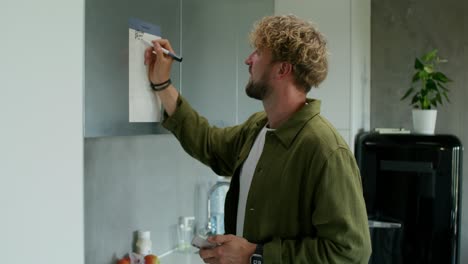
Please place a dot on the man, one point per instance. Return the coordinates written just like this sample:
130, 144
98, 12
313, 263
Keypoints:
295, 194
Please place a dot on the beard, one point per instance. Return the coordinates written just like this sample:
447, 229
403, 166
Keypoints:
258, 89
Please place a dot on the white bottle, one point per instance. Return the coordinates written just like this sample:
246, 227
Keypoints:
143, 244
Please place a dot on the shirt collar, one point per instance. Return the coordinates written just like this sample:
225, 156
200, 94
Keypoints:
288, 131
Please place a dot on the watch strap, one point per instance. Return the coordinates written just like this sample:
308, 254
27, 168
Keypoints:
257, 257
259, 249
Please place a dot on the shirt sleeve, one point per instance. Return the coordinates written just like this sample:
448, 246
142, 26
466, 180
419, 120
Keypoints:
340, 219
215, 147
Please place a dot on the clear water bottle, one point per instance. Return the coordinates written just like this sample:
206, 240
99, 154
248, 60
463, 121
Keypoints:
217, 198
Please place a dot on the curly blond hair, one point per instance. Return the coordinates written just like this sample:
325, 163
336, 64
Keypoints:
295, 41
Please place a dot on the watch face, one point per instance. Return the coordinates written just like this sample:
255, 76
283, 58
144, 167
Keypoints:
256, 259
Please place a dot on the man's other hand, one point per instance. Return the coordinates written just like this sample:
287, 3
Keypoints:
231, 250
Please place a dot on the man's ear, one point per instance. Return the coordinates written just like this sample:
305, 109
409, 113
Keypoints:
285, 69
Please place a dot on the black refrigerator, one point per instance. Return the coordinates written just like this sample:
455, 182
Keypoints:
412, 188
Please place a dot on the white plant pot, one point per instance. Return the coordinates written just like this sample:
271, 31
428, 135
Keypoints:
424, 121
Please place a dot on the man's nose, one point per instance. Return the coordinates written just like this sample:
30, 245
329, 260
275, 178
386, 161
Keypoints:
248, 60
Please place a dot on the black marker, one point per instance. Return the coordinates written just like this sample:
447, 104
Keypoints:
165, 51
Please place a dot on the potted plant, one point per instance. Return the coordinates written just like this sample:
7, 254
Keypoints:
428, 90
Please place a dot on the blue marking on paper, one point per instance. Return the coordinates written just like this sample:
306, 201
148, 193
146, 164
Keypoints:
142, 26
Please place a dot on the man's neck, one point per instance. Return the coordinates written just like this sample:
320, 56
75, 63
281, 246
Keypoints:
279, 107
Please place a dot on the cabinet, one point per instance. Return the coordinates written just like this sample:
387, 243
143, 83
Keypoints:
106, 62
215, 45
212, 37
210, 55
346, 26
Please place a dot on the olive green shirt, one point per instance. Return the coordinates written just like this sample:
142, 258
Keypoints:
305, 202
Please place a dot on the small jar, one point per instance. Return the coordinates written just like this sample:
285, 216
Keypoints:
143, 244
185, 233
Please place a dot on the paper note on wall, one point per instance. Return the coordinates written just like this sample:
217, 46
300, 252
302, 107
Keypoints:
144, 105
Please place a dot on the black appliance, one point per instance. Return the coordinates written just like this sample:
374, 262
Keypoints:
412, 188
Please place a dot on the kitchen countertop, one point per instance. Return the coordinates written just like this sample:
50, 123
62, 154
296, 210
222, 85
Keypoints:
177, 257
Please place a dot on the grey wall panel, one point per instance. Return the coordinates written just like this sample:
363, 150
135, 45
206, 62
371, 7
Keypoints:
402, 30
106, 61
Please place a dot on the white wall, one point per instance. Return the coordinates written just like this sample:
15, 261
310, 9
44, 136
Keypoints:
41, 142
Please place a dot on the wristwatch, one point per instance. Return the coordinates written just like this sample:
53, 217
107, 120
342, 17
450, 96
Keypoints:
257, 257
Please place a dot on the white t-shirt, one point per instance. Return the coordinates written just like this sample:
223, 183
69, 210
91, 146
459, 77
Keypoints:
246, 175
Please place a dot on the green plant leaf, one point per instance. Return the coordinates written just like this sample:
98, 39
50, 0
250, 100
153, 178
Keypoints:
415, 99
418, 64
415, 77
423, 75
439, 60
430, 55
423, 93
410, 91
440, 77
439, 99
446, 97
431, 85
428, 69
442, 86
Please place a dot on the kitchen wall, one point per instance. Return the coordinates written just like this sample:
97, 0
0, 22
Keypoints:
404, 29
